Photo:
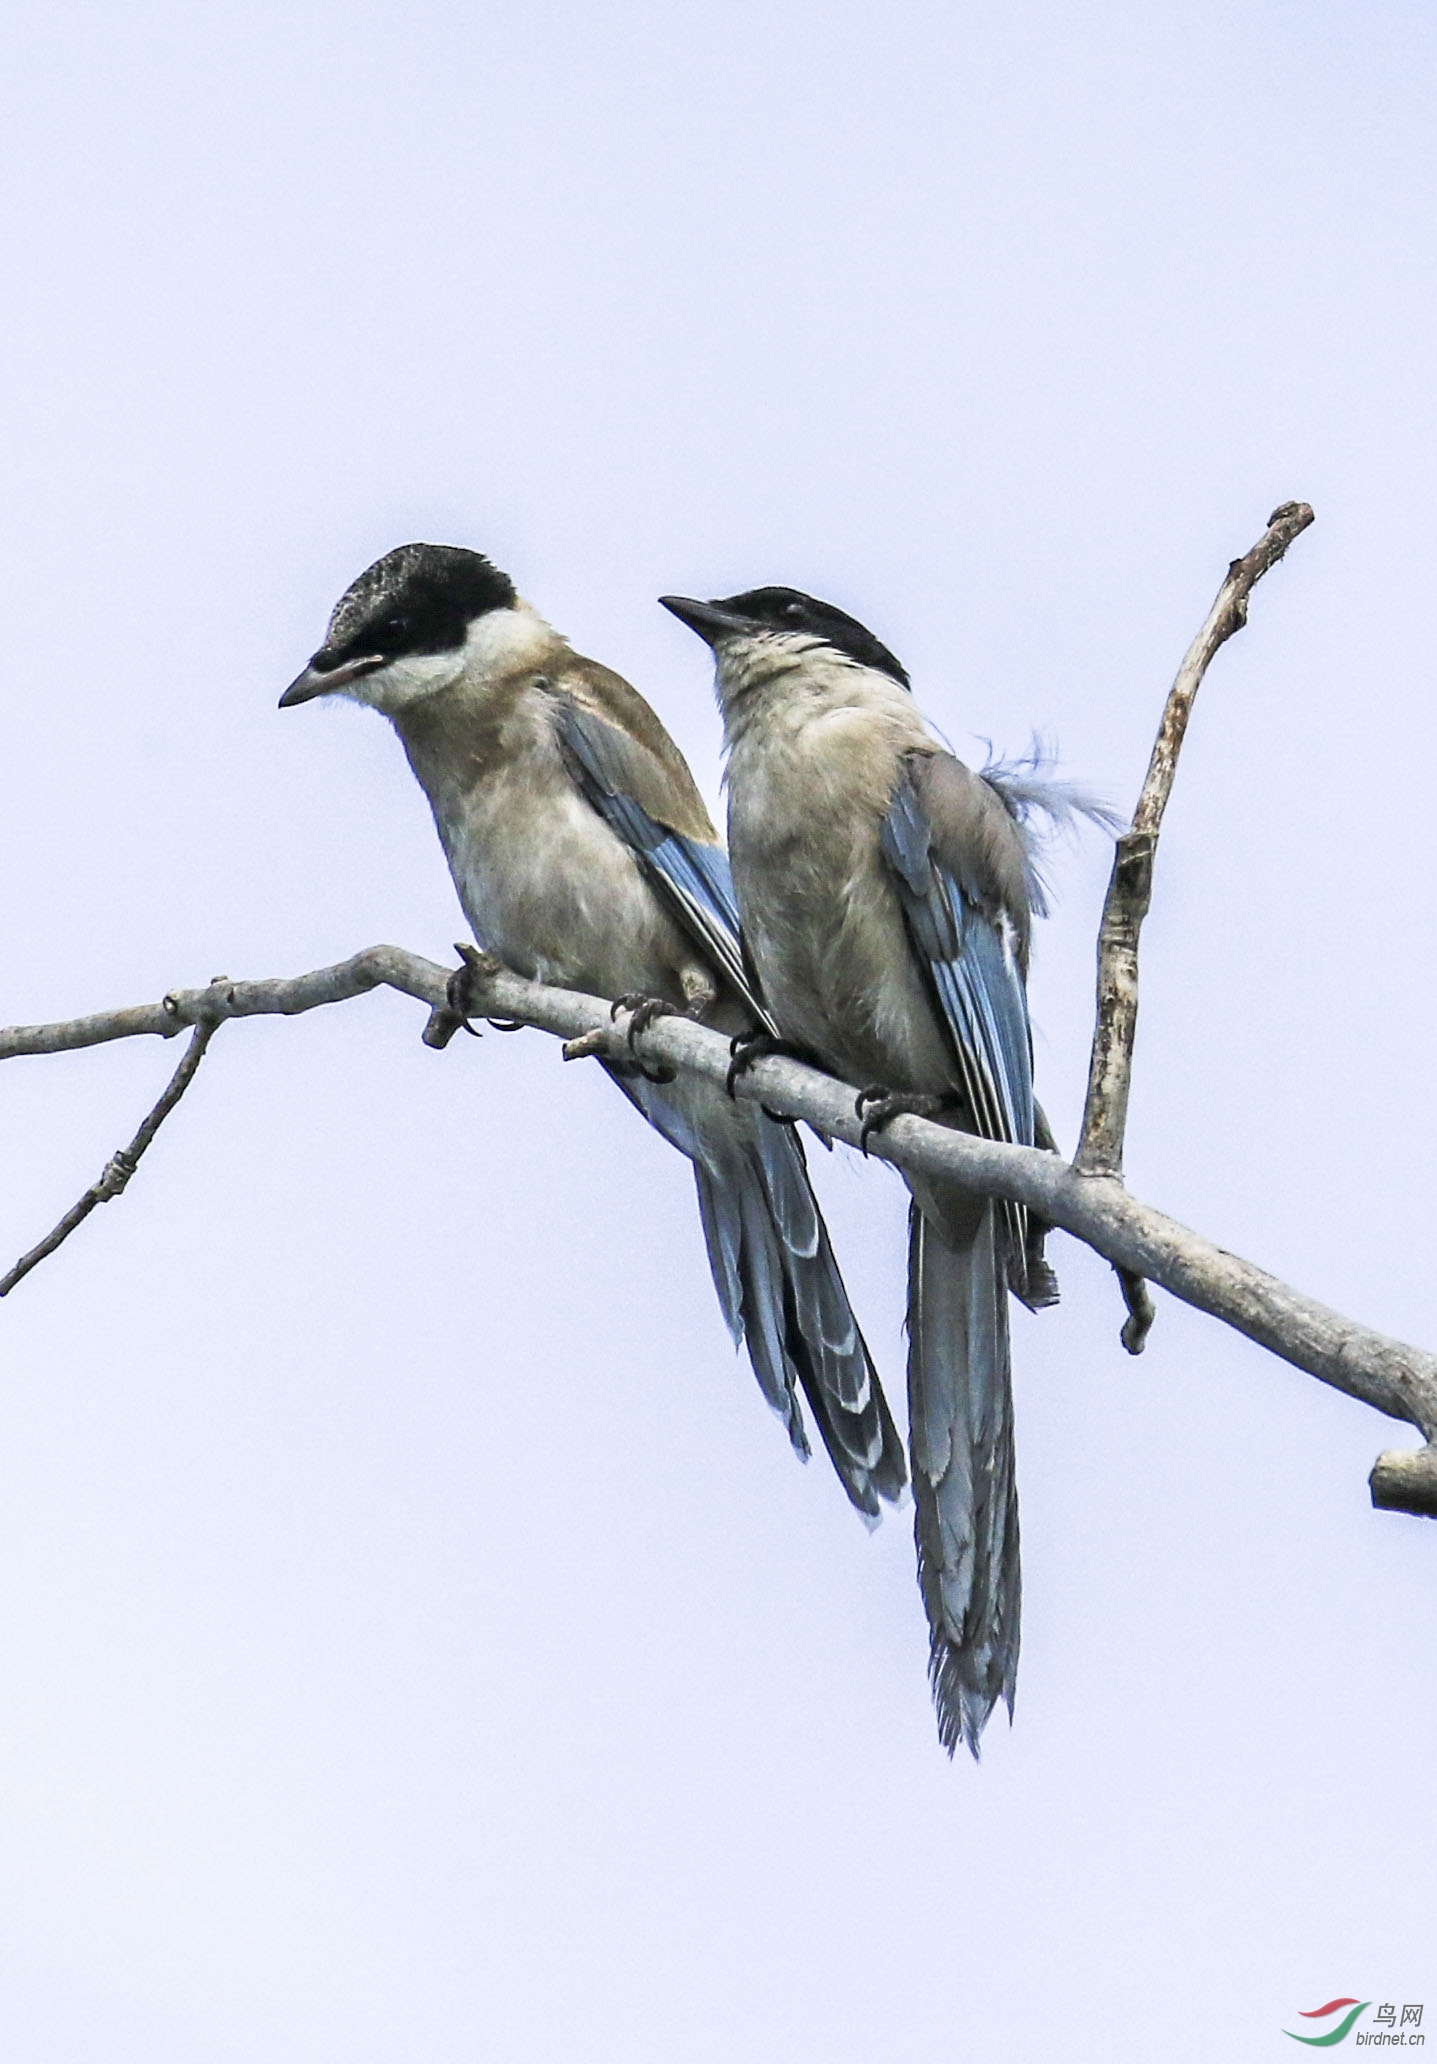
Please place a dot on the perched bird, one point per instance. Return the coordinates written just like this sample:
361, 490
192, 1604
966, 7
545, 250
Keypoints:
584, 857
887, 893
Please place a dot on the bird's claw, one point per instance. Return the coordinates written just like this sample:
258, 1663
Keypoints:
749, 1047
643, 1011
462, 990
743, 1052
878, 1106
463, 998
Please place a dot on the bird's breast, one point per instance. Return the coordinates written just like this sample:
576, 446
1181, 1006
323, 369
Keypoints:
820, 907
548, 887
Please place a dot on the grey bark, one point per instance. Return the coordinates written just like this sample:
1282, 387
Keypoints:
1387, 1374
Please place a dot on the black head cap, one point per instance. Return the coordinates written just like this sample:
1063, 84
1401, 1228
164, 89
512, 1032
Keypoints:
417, 598
786, 609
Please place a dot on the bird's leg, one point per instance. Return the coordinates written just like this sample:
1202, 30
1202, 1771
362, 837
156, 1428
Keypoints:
878, 1106
758, 1046
463, 996
464, 990
642, 1011
699, 993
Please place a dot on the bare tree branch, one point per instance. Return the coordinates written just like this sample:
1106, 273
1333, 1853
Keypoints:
1405, 1480
381, 965
1392, 1377
1105, 1116
121, 1164
1087, 1199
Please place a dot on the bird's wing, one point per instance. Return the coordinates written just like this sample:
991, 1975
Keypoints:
958, 862
635, 792
655, 771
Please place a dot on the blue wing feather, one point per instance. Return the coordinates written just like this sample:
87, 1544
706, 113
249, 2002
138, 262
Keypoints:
971, 969
974, 978
772, 1265
693, 875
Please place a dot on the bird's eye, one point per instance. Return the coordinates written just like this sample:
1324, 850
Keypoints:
794, 611
393, 627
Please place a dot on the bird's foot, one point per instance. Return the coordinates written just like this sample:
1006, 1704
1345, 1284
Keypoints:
643, 1011
463, 998
878, 1106
758, 1046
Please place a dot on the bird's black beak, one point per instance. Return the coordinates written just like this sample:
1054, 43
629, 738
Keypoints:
322, 680
710, 619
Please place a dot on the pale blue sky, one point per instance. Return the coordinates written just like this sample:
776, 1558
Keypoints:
418, 1641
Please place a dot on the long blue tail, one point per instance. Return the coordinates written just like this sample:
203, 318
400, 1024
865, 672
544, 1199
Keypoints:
960, 1403
778, 1282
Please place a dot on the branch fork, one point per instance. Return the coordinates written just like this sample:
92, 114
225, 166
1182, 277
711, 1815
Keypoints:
1087, 1199
123, 1162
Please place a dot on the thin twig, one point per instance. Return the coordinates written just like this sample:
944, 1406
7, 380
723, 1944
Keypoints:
1387, 1374
387, 966
122, 1164
1105, 1116
1139, 1322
